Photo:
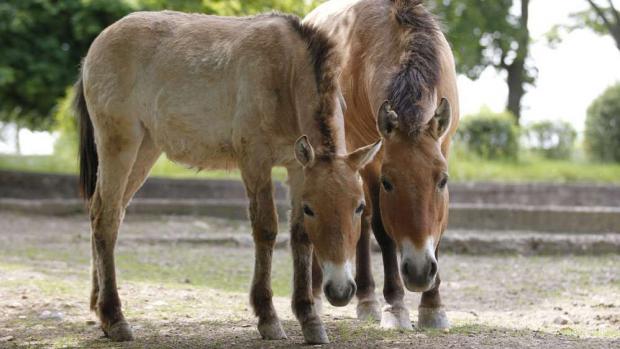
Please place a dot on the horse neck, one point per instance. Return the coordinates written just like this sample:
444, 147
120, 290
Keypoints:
324, 129
372, 56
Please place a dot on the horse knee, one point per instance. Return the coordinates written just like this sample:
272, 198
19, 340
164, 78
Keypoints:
265, 236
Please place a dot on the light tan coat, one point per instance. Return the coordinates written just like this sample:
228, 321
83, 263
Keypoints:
214, 92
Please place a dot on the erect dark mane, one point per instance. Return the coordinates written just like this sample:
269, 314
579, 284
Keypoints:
420, 67
326, 62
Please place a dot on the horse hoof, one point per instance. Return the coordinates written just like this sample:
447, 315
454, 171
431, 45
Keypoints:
368, 310
396, 318
315, 334
271, 330
120, 332
433, 318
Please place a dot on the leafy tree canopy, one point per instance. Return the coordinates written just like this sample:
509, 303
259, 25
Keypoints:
43, 42
490, 33
231, 7
602, 17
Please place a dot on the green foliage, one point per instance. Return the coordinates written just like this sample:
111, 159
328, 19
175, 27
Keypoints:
231, 7
490, 135
552, 139
602, 136
482, 33
66, 144
601, 18
43, 42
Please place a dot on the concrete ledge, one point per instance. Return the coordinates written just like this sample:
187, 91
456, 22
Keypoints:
454, 241
23, 185
535, 218
557, 219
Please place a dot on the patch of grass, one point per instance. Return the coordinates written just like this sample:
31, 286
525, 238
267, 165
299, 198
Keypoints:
463, 167
163, 167
217, 267
48, 287
227, 269
532, 169
353, 330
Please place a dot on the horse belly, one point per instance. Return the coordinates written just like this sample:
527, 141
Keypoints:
195, 130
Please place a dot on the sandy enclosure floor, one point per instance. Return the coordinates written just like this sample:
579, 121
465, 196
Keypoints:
195, 295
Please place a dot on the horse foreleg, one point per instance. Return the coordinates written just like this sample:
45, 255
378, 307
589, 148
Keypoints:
431, 313
395, 315
264, 230
317, 284
303, 299
367, 303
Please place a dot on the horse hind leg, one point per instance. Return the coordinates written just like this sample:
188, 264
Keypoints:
117, 150
145, 159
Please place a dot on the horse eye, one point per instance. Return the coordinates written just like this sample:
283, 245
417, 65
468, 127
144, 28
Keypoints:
386, 184
360, 208
308, 211
442, 184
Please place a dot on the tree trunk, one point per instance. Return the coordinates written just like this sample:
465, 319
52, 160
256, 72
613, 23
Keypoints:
615, 33
612, 24
18, 148
515, 87
516, 70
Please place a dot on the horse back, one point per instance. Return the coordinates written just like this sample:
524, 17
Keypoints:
196, 81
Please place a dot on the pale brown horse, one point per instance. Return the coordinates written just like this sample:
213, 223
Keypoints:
394, 51
211, 91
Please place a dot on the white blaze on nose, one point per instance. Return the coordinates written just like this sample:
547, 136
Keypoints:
340, 275
418, 256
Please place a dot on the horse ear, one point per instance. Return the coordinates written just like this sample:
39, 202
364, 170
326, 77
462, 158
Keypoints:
362, 156
387, 121
304, 151
443, 115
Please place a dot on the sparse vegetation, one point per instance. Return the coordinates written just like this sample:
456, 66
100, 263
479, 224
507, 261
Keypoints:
195, 295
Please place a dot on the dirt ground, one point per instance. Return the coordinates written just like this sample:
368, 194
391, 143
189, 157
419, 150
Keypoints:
190, 295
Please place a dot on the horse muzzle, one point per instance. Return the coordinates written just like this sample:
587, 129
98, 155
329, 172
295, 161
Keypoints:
418, 267
339, 286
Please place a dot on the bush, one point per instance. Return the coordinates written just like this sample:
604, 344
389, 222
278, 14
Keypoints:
602, 136
66, 144
552, 139
490, 135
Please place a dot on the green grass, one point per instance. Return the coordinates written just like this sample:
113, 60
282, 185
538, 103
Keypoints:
163, 167
533, 169
528, 168
161, 264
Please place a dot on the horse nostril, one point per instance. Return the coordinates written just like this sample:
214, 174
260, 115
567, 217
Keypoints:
352, 289
407, 267
432, 270
327, 289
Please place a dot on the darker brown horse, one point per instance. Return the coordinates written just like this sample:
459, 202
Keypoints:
394, 51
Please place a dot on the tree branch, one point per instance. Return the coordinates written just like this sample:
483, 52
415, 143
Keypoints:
601, 14
614, 12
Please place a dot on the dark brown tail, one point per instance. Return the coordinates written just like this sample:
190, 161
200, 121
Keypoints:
89, 161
